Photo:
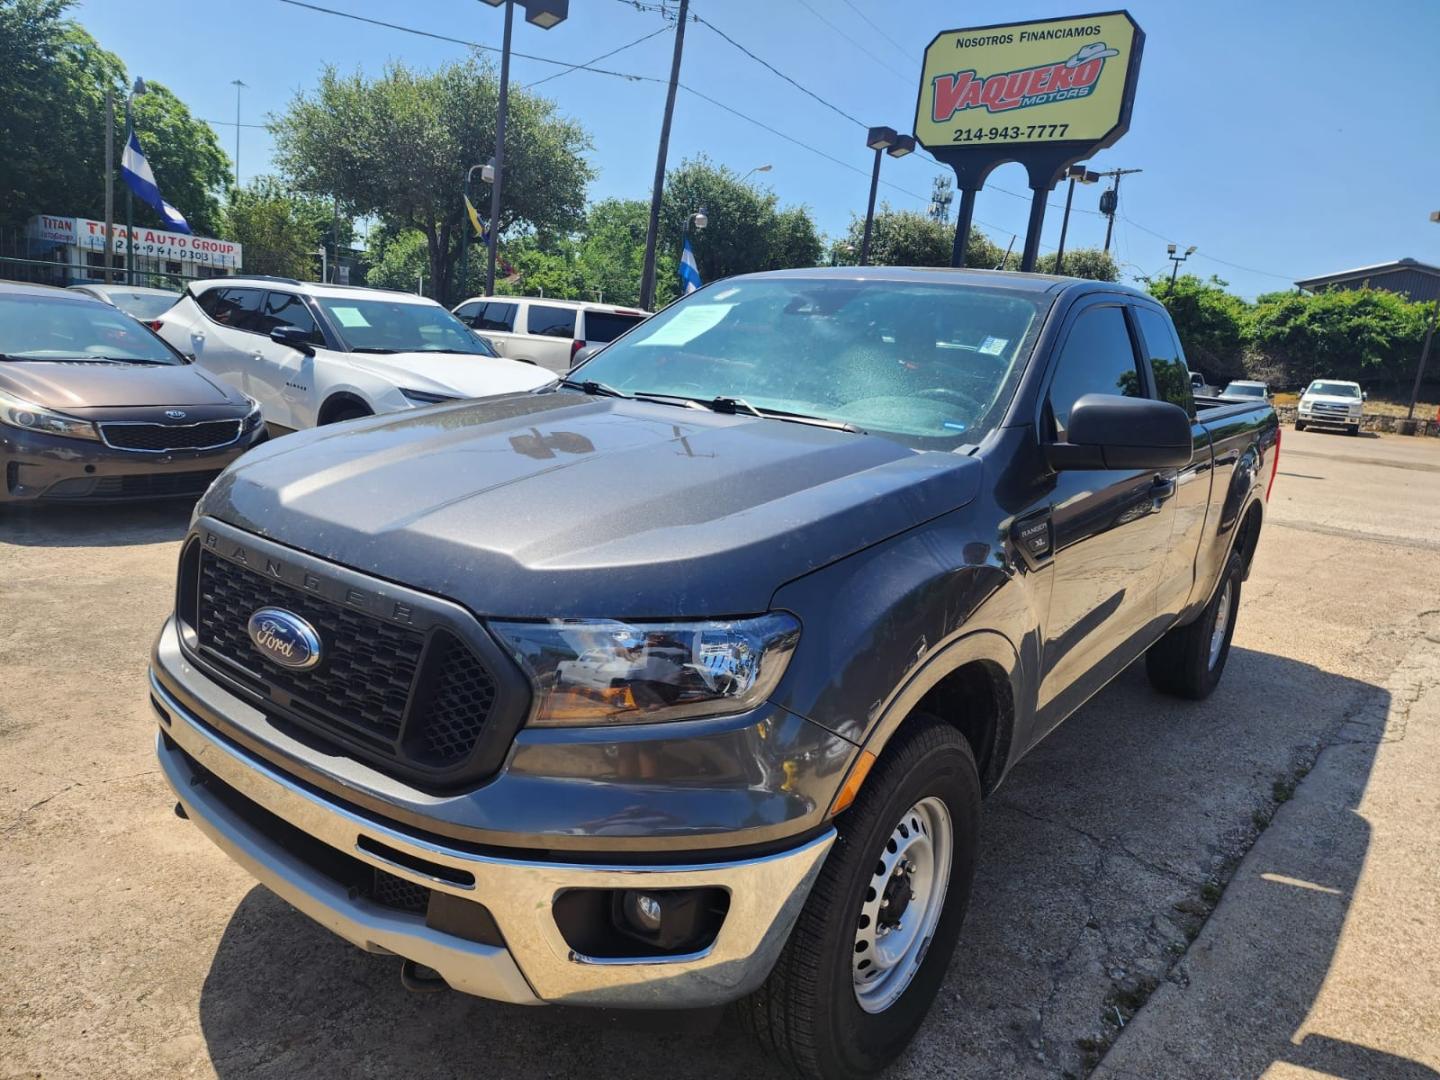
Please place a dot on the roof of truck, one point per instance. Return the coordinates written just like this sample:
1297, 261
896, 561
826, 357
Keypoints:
945, 275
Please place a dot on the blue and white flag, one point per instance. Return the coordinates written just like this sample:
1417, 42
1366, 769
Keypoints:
136, 171
689, 271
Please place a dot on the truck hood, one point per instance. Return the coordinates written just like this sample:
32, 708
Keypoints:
452, 374
556, 505
90, 384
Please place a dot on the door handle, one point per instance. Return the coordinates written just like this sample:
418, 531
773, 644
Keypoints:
1162, 489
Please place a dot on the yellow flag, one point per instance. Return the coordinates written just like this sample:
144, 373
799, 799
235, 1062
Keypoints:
474, 217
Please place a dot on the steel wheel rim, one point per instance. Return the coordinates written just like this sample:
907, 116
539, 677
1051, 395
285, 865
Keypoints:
916, 858
1222, 623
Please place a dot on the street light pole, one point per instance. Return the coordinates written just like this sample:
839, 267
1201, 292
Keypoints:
107, 275
657, 189
1076, 172
752, 172
881, 140
238, 87
501, 113
1177, 260
1425, 349
137, 88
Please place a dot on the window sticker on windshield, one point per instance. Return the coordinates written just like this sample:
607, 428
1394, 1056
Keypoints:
687, 324
994, 346
349, 316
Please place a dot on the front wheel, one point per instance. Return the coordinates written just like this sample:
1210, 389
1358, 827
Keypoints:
1189, 660
1299, 425
870, 948
1353, 429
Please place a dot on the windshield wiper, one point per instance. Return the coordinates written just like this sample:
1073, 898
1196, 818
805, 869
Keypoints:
15, 358
380, 351
737, 405
593, 388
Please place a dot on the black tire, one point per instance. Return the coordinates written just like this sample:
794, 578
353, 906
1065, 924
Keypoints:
1353, 429
346, 412
1180, 663
1299, 425
807, 1014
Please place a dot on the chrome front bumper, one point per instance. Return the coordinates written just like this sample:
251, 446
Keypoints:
535, 965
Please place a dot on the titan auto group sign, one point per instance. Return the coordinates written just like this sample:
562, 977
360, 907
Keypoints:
160, 244
1046, 94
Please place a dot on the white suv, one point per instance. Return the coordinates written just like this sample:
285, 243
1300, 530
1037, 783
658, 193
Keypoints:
545, 332
315, 354
1332, 402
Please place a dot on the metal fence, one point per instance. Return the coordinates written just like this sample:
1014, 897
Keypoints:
22, 258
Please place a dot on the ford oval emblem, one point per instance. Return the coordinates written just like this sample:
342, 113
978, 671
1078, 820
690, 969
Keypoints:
284, 638
175, 414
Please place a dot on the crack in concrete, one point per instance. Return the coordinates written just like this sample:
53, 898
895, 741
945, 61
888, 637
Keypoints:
19, 818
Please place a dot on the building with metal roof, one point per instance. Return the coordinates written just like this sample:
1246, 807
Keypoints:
1412, 279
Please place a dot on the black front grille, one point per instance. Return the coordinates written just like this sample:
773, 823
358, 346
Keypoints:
390, 891
161, 437
144, 486
419, 698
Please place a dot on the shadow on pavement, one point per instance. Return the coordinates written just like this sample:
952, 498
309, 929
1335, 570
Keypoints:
97, 525
1097, 850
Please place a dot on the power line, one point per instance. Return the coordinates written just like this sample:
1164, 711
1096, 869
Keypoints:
231, 123
859, 45
597, 59
1212, 258
776, 71
877, 29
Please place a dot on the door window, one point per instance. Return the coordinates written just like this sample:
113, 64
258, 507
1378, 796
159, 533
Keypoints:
1097, 358
496, 316
605, 326
552, 321
466, 312
1167, 362
235, 308
287, 309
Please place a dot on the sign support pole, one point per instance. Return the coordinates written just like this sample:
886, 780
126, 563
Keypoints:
963, 218
1032, 230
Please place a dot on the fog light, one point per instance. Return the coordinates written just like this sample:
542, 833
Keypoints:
643, 912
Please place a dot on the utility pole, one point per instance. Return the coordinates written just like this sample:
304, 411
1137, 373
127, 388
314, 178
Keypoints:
1110, 200
1424, 349
238, 87
107, 275
941, 194
652, 231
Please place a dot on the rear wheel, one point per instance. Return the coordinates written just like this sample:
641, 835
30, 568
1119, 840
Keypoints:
868, 953
1189, 660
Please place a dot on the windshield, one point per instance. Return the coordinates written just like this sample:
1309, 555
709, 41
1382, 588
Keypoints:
144, 305
1335, 389
1238, 390
933, 365
41, 328
380, 325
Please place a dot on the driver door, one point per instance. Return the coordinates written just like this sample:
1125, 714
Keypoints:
287, 373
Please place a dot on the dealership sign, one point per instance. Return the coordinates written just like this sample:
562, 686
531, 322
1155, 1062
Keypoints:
1046, 94
89, 235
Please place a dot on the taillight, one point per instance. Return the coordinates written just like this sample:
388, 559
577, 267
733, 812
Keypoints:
154, 324
1274, 466
575, 347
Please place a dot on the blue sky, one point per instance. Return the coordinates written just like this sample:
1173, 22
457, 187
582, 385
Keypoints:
1283, 139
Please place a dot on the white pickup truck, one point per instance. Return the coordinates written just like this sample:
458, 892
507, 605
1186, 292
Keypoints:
1333, 403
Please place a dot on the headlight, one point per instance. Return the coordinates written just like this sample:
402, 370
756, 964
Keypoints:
424, 397
23, 415
252, 418
603, 672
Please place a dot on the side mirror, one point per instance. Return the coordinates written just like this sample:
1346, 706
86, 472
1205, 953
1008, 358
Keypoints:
583, 354
1107, 431
1364, 396
294, 337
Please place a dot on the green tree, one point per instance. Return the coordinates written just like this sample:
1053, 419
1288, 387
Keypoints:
399, 261
280, 230
1360, 334
53, 78
1210, 322
747, 230
397, 147
1089, 263
908, 238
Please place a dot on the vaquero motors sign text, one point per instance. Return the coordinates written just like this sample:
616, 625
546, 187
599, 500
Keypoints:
1062, 80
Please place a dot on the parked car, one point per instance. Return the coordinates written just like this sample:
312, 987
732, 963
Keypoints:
1331, 403
701, 705
137, 301
1245, 390
318, 354
546, 332
1199, 387
94, 406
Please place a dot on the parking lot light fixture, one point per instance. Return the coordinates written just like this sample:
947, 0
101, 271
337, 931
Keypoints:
546, 13
882, 140
1177, 260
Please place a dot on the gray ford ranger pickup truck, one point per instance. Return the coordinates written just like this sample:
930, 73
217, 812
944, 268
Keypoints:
680, 682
